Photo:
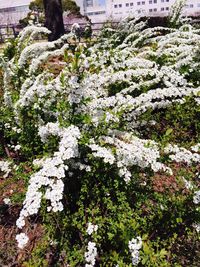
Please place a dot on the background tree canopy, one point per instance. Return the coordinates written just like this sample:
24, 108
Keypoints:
38, 7
68, 5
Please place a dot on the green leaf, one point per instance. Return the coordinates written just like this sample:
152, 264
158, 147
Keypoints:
179, 220
146, 249
168, 131
163, 253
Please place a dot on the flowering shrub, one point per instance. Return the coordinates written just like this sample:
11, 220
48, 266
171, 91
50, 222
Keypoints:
111, 173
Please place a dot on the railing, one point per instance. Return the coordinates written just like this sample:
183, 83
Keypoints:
12, 30
9, 31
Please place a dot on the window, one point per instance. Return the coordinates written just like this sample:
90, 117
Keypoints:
198, 5
150, 1
131, 4
22, 8
120, 5
89, 3
162, 8
139, 11
96, 13
162, 1
138, 3
167, 0
115, 6
150, 10
167, 8
127, 4
155, 9
102, 2
155, 1
143, 2
8, 9
191, 5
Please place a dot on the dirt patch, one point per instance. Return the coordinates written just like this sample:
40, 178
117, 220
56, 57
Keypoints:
10, 255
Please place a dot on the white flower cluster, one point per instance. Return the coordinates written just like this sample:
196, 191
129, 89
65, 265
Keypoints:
102, 152
91, 228
29, 34
90, 254
7, 201
188, 184
180, 154
181, 47
38, 89
197, 227
35, 50
196, 148
133, 151
37, 62
22, 240
75, 27
196, 197
134, 246
49, 129
129, 151
5, 167
138, 152
176, 11
51, 174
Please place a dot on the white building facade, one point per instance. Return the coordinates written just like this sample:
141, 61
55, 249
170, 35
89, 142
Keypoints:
102, 10
11, 11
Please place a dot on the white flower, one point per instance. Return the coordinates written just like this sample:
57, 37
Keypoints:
22, 240
7, 201
90, 254
196, 197
180, 154
197, 227
134, 246
196, 147
188, 184
17, 147
102, 152
5, 168
30, 22
91, 228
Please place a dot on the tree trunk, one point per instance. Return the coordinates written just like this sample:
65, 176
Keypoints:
54, 18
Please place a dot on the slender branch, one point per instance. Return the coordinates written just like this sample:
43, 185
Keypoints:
3, 143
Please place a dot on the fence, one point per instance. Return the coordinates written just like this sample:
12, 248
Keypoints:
9, 31
12, 30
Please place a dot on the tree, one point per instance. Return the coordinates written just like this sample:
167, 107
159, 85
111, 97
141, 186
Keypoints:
71, 6
68, 5
54, 18
53, 14
36, 5
36, 14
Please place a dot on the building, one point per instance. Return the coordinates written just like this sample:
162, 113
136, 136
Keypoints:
11, 11
97, 9
101, 10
